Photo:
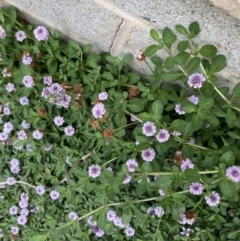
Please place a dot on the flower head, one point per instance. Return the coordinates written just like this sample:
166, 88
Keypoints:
54, 195
148, 155
103, 96
94, 171
196, 188
111, 215
129, 231
22, 220
2, 33
47, 80
179, 109
20, 35
37, 134
98, 231
131, 164
159, 211
27, 59
233, 173
13, 210
193, 99
213, 200
24, 100
185, 231
58, 120
11, 181
163, 135
40, 189
41, 33
14, 230
149, 129
139, 55
25, 125
196, 80
28, 81
98, 110
127, 179
7, 127
10, 87
69, 130
186, 164
73, 215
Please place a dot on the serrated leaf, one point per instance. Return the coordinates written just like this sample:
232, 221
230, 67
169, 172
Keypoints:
193, 64
218, 64
87, 48
228, 189
208, 51
168, 37
181, 29
154, 34
163, 182
183, 45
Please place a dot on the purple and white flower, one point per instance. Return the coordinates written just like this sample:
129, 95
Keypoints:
14, 230
3, 136
233, 173
94, 171
111, 215
14, 162
103, 96
73, 215
58, 120
2, 33
185, 231
161, 192
40, 189
22, 135
98, 231
28, 81
129, 231
159, 211
196, 188
179, 109
47, 80
186, 164
54, 195
25, 125
132, 165
127, 179
13, 210
22, 220
149, 129
41, 33
98, 110
163, 135
194, 99
6, 111
15, 169
10, 87
11, 181
20, 35
196, 80
27, 59
7, 127
37, 134
23, 203
118, 222
69, 130
24, 100
213, 200
148, 155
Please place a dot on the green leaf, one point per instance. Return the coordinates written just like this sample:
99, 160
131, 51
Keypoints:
193, 64
183, 45
38, 237
207, 89
157, 61
74, 44
233, 135
126, 217
230, 118
192, 175
102, 218
169, 62
233, 234
181, 58
157, 109
171, 76
154, 34
168, 37
87, 48
189, 108
228, 158
208, 51
236, 91
205, 104
181, 29
163, 182
151, 50
218, 64
126, 59
137, 104
228, 189
196, 122
178, 125
194, 28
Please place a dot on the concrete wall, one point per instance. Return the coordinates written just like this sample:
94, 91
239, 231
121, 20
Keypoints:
122, 26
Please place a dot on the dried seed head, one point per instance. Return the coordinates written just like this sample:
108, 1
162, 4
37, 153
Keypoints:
78, 89
139, 55
178, 158
39, 56
42, 112
79, 104
108, 133
190, 214
93, 123
103, 119
66, 85
134, 92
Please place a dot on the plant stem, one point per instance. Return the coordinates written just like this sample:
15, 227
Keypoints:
171, 173
198, 202
109, 161
19, 182
133, 116
148, 65
182, 70
134, 123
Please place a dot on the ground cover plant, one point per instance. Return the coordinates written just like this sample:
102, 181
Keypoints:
91, 150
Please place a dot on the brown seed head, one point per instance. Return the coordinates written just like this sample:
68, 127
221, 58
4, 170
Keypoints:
39, 56
190, 214
66, 85
93, 123
139, 55
79, 104
134, 92
42, 112
78, 89
103, 119
178, 158
108, 133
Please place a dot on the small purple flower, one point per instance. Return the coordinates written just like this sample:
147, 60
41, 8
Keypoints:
73, 215
149, 129
6, 111
111, 215
90, 221
196, 80
132, 165
58, 120
118, 222
185, 231
2, 33
176, 133
22, 135
24, 100
148, 155
10, 87
24, 196
159, 211
94, 171
14, 162
109, 169
11, 181
47, 80
56, 89
28, 81
69, 130
196, 188
48, 148
3, 136
179, 109
41, 33
161, 192
8, 127
192, 141
29, 147
186, 164
13, 210
22, 220
23, 203
151, 211
129, 231
24, 212
14, 230
6, 72
213, 200
186, 220
46, 92
98, 110
37, 135
163, 135
103, 96
127, 179
98, 231
233, 173
40, 190
25, 125
20, 35
54, 195
15, 169
27, 59
193, 99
